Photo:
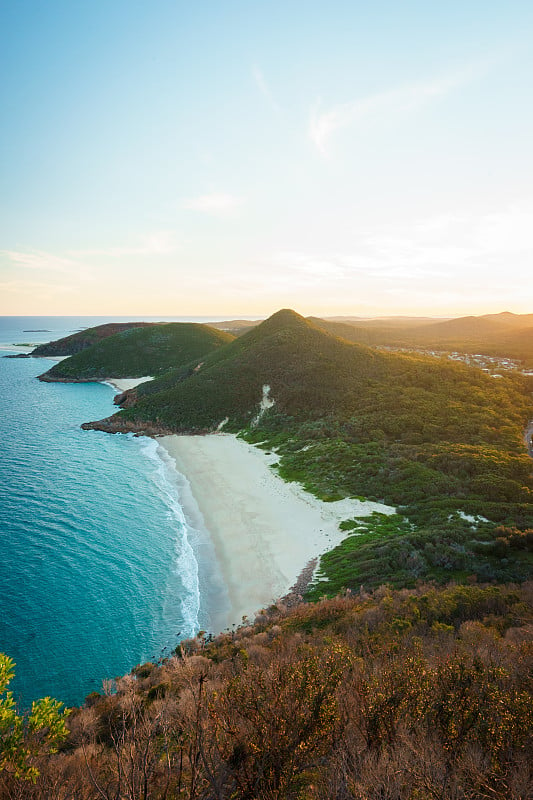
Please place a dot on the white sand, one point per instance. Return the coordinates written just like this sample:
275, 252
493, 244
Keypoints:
123, 384
264, 530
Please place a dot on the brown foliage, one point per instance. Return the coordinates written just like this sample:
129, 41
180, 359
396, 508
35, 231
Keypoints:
404, 695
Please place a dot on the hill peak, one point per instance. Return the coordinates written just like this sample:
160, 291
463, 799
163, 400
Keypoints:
503, 316
282, 319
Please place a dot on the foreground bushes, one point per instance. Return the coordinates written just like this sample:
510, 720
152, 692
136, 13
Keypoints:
420, 693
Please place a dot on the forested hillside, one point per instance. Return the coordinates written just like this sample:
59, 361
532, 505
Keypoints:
311, 373
442, 442
504, 335
141, 351
80, 340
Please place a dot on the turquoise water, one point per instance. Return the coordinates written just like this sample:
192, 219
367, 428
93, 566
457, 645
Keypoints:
97, 573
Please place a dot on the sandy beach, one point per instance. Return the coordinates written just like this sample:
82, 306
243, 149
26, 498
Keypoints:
253, 532
123, 384
263, 530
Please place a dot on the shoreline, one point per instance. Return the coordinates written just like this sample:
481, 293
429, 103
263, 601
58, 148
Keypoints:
123, 384
257, 539
266, 535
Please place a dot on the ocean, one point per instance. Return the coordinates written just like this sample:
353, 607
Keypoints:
98, 570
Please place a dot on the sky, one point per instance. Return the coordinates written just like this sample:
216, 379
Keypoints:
232, 157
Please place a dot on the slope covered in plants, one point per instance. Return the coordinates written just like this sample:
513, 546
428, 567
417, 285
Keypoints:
442, 442
311, 373
413, 694
503, 335
136, 352
80, 340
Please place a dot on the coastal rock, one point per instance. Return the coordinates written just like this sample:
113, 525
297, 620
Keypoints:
126, 398
46, 377
295, 594
117, 425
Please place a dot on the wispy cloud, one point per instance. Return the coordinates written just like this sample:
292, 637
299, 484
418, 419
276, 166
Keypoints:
158, 243
456, 253
324, 123
39, 260
264, 88
313, 268
75, 263
217, 203
340, 271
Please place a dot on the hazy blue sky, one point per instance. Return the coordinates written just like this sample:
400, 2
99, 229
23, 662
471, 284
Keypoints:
233, 157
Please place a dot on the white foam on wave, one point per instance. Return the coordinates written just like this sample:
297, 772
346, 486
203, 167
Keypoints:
186, 564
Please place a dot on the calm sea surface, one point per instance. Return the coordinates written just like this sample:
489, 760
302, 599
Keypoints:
97, 573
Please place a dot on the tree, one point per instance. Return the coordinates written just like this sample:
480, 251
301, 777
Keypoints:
24, 737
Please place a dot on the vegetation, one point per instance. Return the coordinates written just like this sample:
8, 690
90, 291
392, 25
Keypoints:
454, 549
136, 352
505, 335
81, 340
422, 693
436, 439
25, 740
409, 691
312, 373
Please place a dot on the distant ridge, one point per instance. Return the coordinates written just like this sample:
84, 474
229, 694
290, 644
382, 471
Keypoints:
394, 321
235, 326
512, 320
352, 333
502, 335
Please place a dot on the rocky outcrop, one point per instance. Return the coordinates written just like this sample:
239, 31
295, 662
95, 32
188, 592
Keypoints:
117, 424
126, 399
46, 377
295, 594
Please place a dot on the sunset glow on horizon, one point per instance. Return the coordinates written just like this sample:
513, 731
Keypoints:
233, 158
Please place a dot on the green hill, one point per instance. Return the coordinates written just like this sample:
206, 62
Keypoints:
429, 435
311, 373
504, 335
136, 352
80, 340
